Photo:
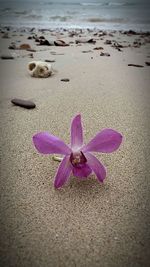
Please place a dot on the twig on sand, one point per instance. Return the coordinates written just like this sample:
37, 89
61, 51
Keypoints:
56, 158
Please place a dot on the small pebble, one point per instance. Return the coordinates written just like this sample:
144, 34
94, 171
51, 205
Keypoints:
23, 103
105, 54
86, 51
98, 48
136, 65
50, 60
7, 57
65, 80
31, 50
108, 42
12, 46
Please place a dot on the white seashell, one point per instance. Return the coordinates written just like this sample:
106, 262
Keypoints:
39, 69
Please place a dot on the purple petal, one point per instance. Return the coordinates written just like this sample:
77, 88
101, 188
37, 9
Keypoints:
76, 132
83, 171
105, 141
48, 144
63, 172
96, 166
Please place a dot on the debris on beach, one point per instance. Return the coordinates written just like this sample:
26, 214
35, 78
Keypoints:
24, 47
87, 51
60, 43
57, 54
108, 42
44, 42
50, 60
31, 50
5, 35
98, 48
23, 103
12, 46
117, 45
130, 32
137, 44
104, 54
147, 63
91, 41
7, 56
136, 65
65, 80
102, 33
39, 69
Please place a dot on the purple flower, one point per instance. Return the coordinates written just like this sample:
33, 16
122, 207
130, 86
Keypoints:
77, 156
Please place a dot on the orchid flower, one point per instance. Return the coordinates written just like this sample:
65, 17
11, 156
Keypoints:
77, 157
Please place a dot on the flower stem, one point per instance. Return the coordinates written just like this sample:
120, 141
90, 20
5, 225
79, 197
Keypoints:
56, 158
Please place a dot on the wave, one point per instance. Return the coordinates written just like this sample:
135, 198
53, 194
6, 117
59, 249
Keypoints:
60, 18
6, 9
33, 17
62, 3
24, 12
112, 4
107, 20
91, 3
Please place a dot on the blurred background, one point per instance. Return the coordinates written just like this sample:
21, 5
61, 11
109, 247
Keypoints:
102, 14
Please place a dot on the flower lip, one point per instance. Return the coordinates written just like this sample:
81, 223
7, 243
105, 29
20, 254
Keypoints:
77, 159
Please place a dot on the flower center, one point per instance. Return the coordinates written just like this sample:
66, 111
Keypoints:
77, 159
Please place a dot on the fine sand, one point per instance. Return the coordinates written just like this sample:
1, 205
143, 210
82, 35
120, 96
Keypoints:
84, 224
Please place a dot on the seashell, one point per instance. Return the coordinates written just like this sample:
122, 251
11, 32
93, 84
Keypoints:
39, 69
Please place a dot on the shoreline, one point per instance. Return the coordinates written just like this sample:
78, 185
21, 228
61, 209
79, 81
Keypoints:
63, 29
125, 27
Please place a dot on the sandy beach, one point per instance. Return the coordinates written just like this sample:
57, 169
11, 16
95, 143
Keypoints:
85, 223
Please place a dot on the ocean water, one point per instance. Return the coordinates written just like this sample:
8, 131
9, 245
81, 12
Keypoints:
101, 14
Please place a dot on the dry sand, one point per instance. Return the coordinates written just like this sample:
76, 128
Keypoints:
85, 224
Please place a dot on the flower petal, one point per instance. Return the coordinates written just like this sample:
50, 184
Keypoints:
63, 172
76, 132
106, 141
96, 166
83, 171
48, 144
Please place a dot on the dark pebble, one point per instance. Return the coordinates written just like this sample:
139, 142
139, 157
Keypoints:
42, 37
104, 54
65, 80
23, 103
98, 48
50, 60
31, 50
86, 51
136, 65
130, 32
147, 63
7, 57
12, 46
78, 41
43, 42
108, 42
